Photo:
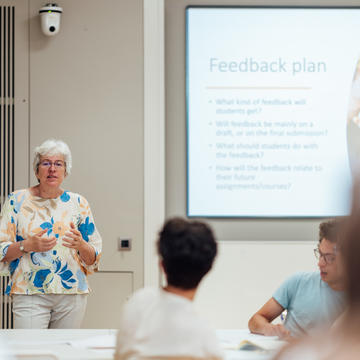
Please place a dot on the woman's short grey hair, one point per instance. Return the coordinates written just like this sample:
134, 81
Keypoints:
53, 147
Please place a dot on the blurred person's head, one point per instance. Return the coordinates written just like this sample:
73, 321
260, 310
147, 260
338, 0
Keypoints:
329, 255
187, 250
351, 254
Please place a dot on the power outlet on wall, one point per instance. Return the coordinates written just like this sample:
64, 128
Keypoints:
124, 244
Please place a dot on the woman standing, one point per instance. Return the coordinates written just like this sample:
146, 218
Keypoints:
49, 243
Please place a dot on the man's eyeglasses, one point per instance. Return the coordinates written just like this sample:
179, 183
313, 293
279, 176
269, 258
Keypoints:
47, 164
329, 258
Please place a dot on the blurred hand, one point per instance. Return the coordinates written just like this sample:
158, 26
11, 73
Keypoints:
38, 243
73, 238
277, 330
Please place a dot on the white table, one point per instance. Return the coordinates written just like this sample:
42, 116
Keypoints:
87, 344
61, 344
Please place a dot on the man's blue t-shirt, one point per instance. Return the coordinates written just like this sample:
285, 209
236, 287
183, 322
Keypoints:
310, 303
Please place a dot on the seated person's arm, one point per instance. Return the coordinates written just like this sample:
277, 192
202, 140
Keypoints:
260, 322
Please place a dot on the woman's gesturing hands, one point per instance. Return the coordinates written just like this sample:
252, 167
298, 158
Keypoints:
38, 243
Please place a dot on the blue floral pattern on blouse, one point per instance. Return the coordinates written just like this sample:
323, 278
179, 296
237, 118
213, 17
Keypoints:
86, 229
65, 197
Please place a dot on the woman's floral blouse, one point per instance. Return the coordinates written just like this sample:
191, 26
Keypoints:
59, 270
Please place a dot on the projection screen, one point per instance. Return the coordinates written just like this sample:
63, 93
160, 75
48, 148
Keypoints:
273, 110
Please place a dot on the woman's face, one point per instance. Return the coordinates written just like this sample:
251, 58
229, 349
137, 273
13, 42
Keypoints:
51, 170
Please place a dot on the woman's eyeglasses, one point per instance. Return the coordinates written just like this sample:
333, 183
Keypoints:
58, 164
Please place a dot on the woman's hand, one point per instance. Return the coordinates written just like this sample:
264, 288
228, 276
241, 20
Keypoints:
74, 240
37, 243
34, 243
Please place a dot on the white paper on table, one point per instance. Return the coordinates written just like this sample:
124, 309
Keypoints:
230, 339
96, 342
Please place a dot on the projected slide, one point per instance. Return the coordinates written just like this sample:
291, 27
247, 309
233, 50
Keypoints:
273, 111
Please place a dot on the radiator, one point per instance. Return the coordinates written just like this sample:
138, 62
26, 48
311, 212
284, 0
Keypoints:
7, 145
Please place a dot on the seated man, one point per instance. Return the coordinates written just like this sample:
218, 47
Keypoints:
313, 299
161, 323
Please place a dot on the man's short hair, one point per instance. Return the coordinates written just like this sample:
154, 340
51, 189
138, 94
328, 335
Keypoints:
187, 249
329, 230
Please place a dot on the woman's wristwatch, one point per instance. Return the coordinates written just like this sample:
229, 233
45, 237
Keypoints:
22, 249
